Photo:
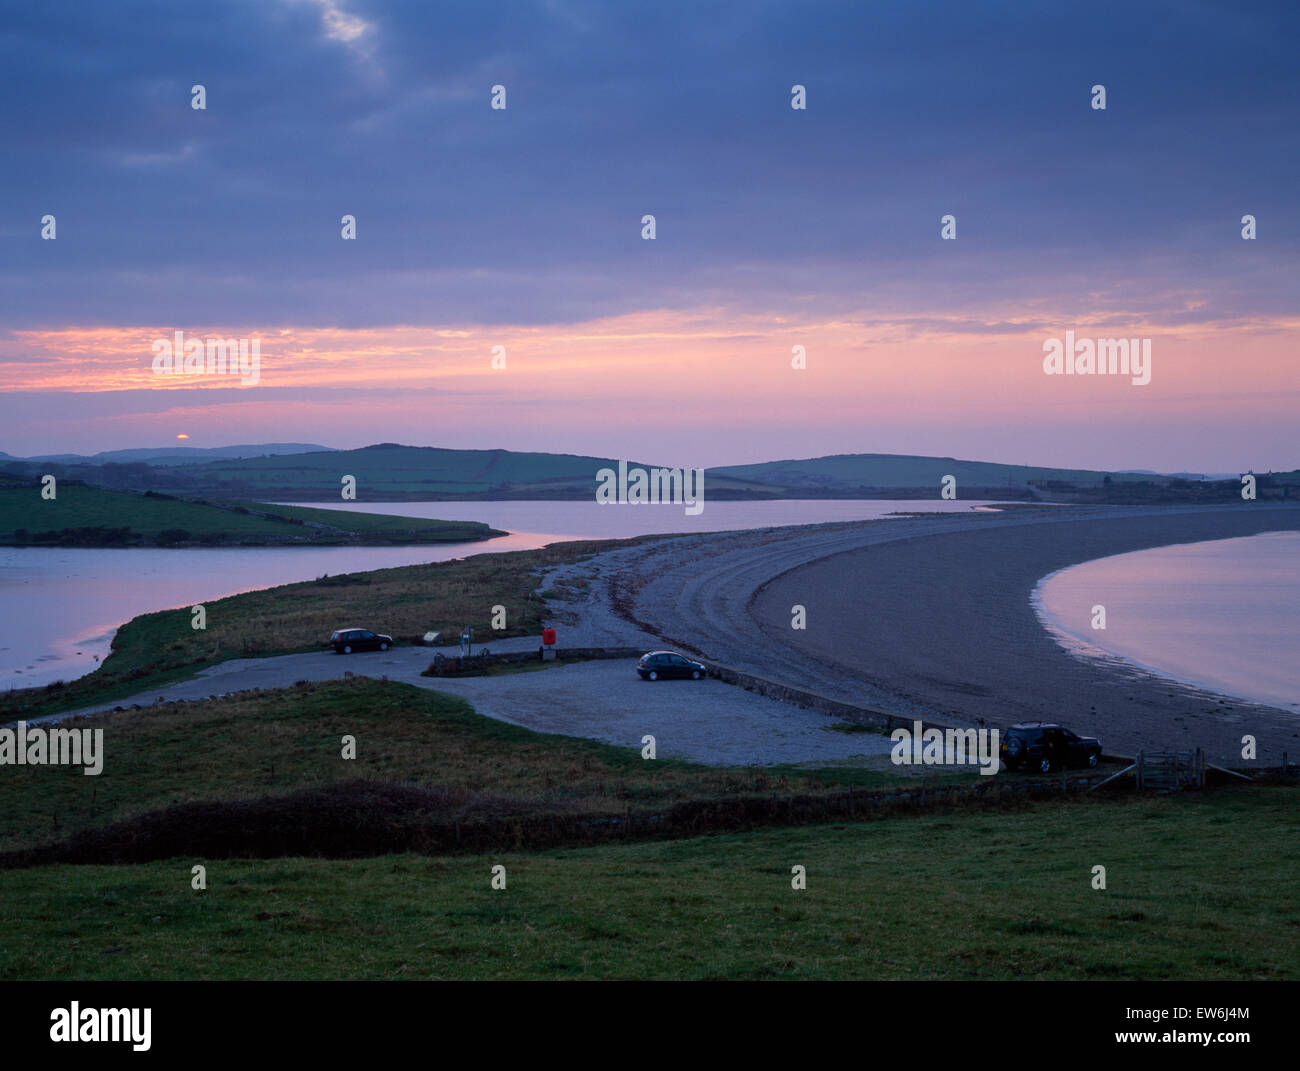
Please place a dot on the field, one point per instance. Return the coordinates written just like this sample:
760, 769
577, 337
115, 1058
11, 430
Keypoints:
1198, 886
258, 745
90, 516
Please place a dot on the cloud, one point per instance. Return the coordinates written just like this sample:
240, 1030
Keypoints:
318, 108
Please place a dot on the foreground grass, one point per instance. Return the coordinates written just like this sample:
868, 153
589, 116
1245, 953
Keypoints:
1199, 888
91, 516
404, 602
275, 743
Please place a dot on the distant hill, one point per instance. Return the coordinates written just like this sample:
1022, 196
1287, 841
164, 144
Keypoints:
907, 476
176, 455
390, 471
395, 472
842, 474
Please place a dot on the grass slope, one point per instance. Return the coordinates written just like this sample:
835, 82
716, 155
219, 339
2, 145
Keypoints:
844, 472
1198, 888
262, 744
387, 471
390, 470
122, 518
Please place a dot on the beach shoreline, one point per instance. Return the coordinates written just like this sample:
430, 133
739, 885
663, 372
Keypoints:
932, 617
1254, 662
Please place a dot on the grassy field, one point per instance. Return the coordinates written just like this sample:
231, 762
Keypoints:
1198, 888
90, 516
404, 602
274, 743
270, 747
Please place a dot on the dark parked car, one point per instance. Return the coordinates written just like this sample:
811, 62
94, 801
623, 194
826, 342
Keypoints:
662, 664
1046, 748
347, 640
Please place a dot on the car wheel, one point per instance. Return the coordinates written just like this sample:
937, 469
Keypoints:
653, 675
1093, 760
695, 674
1045, 765
347, 649
383, 647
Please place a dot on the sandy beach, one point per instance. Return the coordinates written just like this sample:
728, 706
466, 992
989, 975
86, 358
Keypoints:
932, 616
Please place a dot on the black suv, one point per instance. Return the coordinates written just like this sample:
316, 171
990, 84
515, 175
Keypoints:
347, 640
1046, 748
661, 664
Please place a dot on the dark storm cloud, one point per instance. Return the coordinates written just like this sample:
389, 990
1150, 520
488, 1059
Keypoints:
168, 215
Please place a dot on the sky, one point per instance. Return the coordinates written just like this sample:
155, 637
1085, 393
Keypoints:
522, 227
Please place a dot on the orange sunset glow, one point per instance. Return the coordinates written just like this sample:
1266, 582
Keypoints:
865, 366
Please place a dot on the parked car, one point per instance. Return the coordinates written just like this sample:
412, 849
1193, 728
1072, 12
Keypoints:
664, 664
1045, 748
347, 640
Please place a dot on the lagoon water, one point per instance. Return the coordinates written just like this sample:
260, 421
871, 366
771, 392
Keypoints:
1223, 615
59, 608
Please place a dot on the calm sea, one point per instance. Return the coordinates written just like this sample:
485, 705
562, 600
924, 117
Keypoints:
1223, 615
60, 608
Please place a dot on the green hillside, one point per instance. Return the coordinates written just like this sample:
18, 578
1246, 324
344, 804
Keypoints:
847, 472
390, 469
90, 516
326, 869
395, 472
390, 472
